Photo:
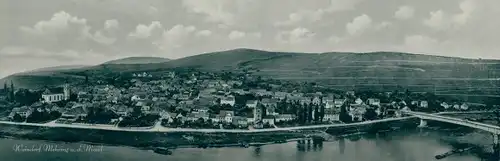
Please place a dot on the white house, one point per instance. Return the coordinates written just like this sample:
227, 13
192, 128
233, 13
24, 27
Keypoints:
464, 106
251, 103
24, 111
339, 102
374, 102
445, 105
56, 95
269, 120
424, 104
358, 101
331, 115
228, 100
329, 104
285, 117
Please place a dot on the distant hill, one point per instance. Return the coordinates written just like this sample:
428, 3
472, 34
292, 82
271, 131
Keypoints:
138, 60
380, 70
54, 69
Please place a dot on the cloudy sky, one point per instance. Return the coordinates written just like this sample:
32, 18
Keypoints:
36, 33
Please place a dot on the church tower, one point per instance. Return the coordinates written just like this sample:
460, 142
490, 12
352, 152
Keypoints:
66, 91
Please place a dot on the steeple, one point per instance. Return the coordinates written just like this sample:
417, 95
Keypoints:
66, 91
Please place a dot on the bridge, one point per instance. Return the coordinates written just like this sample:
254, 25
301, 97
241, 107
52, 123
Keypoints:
495, 130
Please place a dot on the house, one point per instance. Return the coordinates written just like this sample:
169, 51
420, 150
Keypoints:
229, 100
24, 112
268, 119
445, 105
357, 111
135, 98
56, 95
226, 116
167, 116
76, 112
260, 92
280, 95
358, 101
285, 117
267, 102
180, 117
339, 102
83, 96
251, 103
464, 106
456, 106
423, 104
145, 109
305, 100
373, 102
316, 101
414, 103
122, 110
329, 104
331, 115
240, 121
250, 119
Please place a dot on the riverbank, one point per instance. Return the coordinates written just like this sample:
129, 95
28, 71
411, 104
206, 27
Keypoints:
167, 137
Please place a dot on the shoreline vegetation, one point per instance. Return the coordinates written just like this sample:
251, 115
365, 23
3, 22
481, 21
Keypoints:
196, 138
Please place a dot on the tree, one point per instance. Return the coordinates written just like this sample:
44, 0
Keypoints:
11, 94
344, 116
136, 112
316, 113
370, 114
17, 118
321, 113
55, 114
5, 89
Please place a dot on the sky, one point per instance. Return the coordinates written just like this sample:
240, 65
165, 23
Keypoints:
35, 33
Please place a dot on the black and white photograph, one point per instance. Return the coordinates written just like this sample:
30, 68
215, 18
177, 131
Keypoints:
249, 80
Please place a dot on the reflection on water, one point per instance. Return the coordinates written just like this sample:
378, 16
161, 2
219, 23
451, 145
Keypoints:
392, 146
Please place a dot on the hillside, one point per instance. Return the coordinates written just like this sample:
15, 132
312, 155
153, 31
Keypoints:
138, 60
382, 70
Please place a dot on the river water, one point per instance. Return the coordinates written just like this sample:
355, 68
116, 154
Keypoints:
414, 145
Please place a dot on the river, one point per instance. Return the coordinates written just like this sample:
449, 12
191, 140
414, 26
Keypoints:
413, 145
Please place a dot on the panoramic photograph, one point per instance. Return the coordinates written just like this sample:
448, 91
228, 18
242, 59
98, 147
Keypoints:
249, 80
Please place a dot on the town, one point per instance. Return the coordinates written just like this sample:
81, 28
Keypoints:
205, 100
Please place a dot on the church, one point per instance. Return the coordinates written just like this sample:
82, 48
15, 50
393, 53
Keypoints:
56, 95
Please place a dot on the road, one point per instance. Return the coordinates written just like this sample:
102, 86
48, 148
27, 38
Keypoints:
158, 128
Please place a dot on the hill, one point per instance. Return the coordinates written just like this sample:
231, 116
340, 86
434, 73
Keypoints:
138, 60
374, 70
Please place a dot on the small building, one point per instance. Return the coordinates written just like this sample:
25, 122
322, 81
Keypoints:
267, 102
331, 115
226, 116
358, 101
464, 106
24, 112
240, 121
339, 102
251, 103
285, 117
76, 112
229, 100
316, 101
445, 105
122, 110
424, 104
373, 102
268, 119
